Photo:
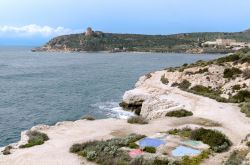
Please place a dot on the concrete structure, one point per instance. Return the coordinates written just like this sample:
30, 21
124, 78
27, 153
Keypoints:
227, 43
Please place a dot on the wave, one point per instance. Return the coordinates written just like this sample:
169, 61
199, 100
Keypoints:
113, 110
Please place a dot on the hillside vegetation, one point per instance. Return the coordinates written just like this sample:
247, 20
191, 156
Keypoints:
99, 41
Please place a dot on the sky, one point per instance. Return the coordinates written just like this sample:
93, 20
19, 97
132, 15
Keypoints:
34, 22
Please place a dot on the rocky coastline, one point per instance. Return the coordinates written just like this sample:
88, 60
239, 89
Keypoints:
154, 95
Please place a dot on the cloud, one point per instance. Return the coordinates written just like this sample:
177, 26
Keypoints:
34, 30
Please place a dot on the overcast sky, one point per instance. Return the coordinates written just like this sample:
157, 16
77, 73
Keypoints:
33, 22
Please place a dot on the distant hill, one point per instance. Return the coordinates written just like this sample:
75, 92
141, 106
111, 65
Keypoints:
247, 31
99, 41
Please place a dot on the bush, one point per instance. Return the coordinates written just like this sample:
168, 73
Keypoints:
248, 144
158, 161
230, 58
215, 139
245, 108
179, 113
175, 84
231, 72
106, 152
185, 65
150, 149
164, 80
196, 160
184, 132
6, 150
184, 85
245, 59
87, 117
207, 92
246, 74
241, 96
137, 120
35, 138
200, 71
133, 145
91, 155
237, 157
236, 87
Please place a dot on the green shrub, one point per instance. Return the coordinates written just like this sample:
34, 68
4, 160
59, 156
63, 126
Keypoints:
196, 160
149, 149
164, 80
179, 113
158, 161
230, 58
236, 87
208, 92
237, 157
133, 145
87, 117
246, 74
106, 152
200, 71
245, 59
6, 150
35, 138
175, 84
184, 85
171, 69
215, 139
91, 155
248, 144
245, 108
137, 120
231, 72
184, 132
241, 96
76, 148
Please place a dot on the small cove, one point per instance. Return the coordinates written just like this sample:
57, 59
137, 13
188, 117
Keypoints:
48, 87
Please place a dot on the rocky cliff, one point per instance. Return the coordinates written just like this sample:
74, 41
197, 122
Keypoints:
222, 79
226, 80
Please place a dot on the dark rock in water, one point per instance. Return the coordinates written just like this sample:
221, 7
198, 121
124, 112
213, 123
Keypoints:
135, 107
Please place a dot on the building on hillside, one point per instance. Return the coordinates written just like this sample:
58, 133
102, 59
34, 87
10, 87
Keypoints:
226, 43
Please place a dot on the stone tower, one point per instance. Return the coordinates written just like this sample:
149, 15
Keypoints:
89, 32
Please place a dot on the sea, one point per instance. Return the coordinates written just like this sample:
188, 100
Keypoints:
49, 87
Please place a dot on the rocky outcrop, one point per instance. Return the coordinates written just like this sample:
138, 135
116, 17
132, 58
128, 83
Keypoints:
154, 98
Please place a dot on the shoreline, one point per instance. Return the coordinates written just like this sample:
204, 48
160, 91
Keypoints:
73, 131
157, 98
132, 52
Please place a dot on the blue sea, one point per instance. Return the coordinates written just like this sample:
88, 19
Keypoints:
48, 87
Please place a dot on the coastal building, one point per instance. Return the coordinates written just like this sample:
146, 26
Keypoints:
227, 43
